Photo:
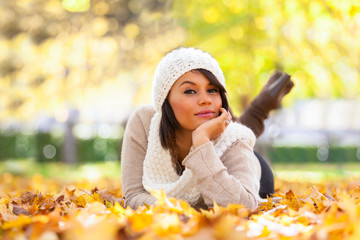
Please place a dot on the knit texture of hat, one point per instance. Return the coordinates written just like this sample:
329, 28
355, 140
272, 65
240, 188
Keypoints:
177, 63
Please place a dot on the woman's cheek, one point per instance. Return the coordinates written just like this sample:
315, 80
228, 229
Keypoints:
183, 111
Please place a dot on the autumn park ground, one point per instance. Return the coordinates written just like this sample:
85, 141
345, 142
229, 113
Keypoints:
56, 201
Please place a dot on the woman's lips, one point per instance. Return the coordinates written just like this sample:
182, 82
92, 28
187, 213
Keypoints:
205, 113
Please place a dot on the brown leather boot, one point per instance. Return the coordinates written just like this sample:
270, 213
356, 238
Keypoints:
278, 85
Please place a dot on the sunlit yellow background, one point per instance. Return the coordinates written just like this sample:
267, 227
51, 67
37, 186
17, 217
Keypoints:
99, 56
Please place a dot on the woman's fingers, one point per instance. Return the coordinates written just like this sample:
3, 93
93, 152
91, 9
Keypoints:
225, 116
211, 129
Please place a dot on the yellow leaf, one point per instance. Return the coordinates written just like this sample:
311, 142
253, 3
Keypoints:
20, 222
96, 208
166, 224
267, 205
225, 227
108, 204
190, 225
140, 221
41, 218
118, 209
96, 197
160, 196
147, 206
80, 201
213, 212
266, 232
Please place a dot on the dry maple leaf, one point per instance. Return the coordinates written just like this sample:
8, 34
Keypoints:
291, 200
80, 210
267, 205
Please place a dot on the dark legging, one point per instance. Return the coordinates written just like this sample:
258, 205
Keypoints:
267, 178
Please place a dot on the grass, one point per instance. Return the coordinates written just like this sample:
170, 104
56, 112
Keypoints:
311, 172
317, 172
90, 171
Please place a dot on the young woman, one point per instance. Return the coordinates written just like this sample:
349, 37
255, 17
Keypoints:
186, 143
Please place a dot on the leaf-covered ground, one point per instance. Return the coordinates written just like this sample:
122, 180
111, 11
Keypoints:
38, 208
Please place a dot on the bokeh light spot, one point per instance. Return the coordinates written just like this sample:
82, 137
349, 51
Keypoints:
261, 23
135, 6
131, 30
235, 6
236, 32
104, 131
322, 153
49, 151
100, 26
113, 24
76, 5
83, 131
101, 8
211, 15
127, 43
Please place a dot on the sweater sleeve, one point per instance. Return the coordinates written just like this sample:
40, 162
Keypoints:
235, 178
132, 158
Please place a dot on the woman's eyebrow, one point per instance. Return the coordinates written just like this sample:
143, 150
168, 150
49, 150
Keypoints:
192, 83
189, 82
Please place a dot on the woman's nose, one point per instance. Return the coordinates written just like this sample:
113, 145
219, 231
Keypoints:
204, 99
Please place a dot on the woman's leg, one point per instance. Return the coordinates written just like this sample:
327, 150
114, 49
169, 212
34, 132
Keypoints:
267, 178
268, 99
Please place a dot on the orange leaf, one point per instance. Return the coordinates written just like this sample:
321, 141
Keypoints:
291, 200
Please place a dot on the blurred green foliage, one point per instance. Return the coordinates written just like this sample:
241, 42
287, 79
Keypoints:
293, 154
47, 147
314, 41
55, 53
92, 171
16, 146
313, 154
99, 149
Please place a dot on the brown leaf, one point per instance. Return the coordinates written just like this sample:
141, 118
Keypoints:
27, 197
60, 199
106, 196
20, 211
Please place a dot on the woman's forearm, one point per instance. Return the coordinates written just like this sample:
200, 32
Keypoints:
235, 182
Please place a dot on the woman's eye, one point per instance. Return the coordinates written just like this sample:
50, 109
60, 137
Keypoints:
213, 90
189, 91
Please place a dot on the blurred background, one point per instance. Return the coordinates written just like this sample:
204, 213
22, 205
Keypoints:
72, 71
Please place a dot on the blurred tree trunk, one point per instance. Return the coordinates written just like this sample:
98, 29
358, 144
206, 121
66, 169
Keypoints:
69, 149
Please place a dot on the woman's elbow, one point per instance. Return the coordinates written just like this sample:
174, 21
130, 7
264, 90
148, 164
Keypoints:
252, 201
136, 200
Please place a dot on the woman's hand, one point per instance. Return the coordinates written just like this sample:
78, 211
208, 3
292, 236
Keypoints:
211, 129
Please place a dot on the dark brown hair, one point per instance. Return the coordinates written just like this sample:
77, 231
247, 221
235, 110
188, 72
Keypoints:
169, 123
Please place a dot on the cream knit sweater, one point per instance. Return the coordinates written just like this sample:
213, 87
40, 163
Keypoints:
233, 178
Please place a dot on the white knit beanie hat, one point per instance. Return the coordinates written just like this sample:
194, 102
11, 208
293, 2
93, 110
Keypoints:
175, 64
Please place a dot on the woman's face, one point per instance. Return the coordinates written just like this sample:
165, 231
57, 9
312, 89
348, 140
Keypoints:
194, 100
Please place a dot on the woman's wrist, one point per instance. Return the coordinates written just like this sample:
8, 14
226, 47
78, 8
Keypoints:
199, 139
